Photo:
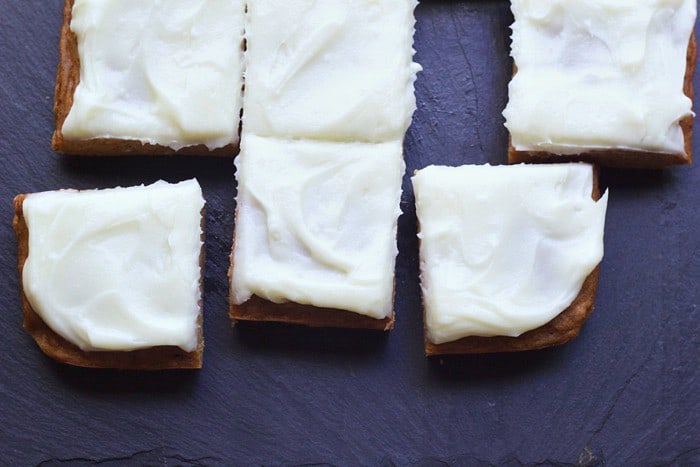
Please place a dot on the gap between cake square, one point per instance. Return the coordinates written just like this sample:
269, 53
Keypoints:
602, 81
112, 278
315, 238
509, 255
149, 78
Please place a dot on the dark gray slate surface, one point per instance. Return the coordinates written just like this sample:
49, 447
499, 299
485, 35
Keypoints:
624, 393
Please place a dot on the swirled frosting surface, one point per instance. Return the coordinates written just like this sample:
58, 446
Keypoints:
116, 269
316, 223
599, 74
332, 70
163, 72
504, 249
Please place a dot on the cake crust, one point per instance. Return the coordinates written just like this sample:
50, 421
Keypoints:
625, 158
259, 309
560, 330
59, 349
67, 80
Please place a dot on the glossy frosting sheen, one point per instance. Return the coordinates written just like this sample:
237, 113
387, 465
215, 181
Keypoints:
334, 70
316, 223
164, 72
596, 74
504, 249
117, 269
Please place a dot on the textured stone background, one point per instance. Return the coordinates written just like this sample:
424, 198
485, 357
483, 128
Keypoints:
624, 393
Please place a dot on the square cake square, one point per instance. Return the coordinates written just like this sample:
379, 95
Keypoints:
112, 278
336, 70
508, 254
315, 240
602, 80
149, 77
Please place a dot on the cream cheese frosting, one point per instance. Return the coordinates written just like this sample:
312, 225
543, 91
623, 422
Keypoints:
165, 72
332, 70
599, 74
117, 269
316, 223
504, 249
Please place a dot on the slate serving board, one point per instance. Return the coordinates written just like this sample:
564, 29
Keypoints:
624, 393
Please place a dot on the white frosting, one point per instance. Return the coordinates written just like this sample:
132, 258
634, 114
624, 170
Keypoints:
117, 269
333, 70
163, 72
599, 74
504, 249
316, 223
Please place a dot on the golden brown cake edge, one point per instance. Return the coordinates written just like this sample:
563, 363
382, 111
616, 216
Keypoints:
67, 80
59, 349
261, 310
624, 158
560, 330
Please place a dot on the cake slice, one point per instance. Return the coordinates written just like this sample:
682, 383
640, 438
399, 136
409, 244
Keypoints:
335, 70
112, 278
149, 77
315, 232
508, 255
603, 81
